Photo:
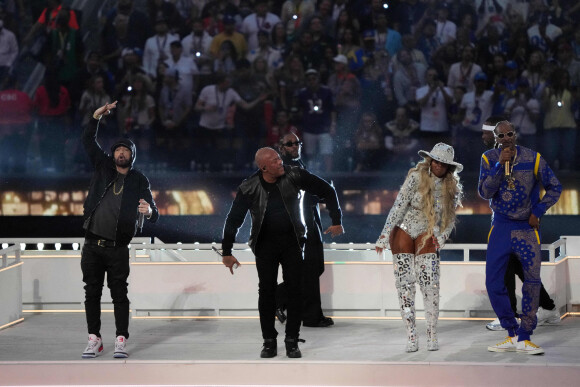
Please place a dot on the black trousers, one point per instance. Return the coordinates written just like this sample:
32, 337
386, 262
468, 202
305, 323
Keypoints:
269, 255
95, 262
313, 268
515, 268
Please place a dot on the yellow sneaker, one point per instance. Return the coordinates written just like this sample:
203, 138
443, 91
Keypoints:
527, 347
508, 345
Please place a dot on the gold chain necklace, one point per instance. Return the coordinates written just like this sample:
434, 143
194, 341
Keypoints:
115, 187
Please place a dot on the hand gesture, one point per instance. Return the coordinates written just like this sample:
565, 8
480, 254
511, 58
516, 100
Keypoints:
104, 110
534, 221
230, 262
144, 207
335, 230
506, 155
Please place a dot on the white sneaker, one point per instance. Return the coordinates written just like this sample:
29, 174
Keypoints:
94, 347
120, 348
508, 345
546, 316
529, 348
494, 325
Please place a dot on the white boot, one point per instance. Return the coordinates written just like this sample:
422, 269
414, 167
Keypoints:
405, 284
427, 271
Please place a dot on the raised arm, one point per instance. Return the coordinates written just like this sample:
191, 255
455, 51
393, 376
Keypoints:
89, 136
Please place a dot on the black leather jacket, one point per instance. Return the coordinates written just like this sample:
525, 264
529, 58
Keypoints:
253, 197
136, 186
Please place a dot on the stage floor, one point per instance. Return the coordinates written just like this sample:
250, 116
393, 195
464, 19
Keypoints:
46, 349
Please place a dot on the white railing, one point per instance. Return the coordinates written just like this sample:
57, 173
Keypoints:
10, 251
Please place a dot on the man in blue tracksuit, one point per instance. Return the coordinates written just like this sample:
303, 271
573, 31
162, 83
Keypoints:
510, 178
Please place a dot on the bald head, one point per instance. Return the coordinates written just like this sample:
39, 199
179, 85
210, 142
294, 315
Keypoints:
270, 164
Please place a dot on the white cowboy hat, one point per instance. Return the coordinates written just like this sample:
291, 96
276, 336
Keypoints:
443, 153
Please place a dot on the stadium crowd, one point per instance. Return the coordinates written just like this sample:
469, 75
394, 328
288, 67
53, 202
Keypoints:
365, 83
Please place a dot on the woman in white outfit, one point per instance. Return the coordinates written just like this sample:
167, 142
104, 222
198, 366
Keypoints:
418, 225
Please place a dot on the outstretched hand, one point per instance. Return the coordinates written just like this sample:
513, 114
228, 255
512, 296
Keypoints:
104, 110
335, 230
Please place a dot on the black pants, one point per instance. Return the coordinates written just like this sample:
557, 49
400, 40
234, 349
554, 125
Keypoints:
269, 255
313, 268
515, 268
114, 261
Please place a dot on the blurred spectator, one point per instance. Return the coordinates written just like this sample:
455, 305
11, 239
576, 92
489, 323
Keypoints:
196, 45
511, 75
496, 68
446, 29
15, 119
428, 42
157, 47
410, 44
523, 110
434, 100
400, 140
185, 66
46, 23
349, 46
475, 107
226, 59
575, 43
324, 13
215, 103
535, 73
343, 23
346, 92
490, 45
445, 57
320, 39
462, 73
560, 129
66, 49
368, 143
93, 66
409, 14
174, 108
93, 97
338, 7
265, 51
124, 27
52, 103
542, 33
385, 37
309, 54
162, 9
290, 81
281, 128
135, 114
318, 121
8, 51
490, 11
294, 13
566, 60
131, 66
279, 40
406, 80
501, 94
260, 20
229, 34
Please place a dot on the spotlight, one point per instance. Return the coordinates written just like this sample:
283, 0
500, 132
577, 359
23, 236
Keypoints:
75, 246
23, 246
40, 246
4, 245
57, 246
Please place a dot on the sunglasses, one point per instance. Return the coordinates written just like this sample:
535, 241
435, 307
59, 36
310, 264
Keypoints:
508, 134
290, 143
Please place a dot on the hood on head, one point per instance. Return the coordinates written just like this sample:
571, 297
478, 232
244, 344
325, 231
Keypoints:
127, 144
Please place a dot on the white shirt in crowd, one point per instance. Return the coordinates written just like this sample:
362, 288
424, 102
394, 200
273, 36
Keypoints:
477, 109
212, 96
254, 23
434, 113
157, 47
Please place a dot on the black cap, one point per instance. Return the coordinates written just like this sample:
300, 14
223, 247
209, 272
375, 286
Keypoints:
127, 144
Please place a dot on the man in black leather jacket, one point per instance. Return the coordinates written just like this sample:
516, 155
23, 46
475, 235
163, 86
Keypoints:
272, 195
118, 195
290, 148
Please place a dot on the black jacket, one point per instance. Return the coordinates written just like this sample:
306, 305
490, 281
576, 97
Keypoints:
310, 207
253, 197
136, 186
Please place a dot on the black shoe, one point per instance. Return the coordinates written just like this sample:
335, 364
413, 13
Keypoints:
322, 323
281, 315
270, 348
292, 349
